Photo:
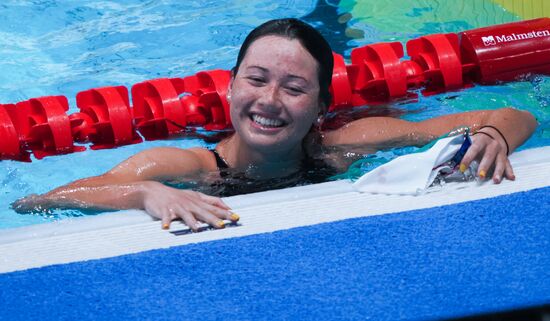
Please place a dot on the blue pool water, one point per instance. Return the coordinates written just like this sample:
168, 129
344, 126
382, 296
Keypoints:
63, 47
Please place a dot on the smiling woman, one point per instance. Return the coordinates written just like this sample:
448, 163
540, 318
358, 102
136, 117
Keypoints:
278, 95
276, 107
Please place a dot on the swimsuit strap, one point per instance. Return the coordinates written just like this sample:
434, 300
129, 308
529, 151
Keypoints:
220, 162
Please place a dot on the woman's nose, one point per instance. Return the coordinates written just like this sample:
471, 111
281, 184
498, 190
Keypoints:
270, 97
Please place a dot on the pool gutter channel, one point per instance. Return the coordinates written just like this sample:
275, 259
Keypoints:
134, 231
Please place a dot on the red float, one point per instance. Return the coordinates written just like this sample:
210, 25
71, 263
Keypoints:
157, 108
109, 122
340, 88
505, 52
10, 146
44, 126
211, 88
377, 73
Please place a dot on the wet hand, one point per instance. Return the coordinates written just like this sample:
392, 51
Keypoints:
491, 155
168, 204
27, 204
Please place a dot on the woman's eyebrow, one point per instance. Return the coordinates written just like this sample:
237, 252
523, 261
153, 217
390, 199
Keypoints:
257, 67
290, 76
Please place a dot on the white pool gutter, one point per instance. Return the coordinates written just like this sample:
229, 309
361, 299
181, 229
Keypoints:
133, 231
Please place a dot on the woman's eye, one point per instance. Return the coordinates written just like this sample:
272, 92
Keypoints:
295, 90
256, 80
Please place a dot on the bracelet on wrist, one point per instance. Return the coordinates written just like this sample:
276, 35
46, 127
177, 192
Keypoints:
484, 133
499, 132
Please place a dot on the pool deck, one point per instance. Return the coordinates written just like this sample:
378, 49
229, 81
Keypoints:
313, 252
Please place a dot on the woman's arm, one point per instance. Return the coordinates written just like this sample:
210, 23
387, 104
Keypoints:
134, 184
490, 148
513, 127
387, 132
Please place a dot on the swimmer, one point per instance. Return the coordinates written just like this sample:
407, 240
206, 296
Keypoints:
278, 95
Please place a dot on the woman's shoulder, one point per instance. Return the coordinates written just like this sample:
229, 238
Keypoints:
184, 159
172, 152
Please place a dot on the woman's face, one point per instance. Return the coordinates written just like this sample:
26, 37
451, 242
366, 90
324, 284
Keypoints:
275, 94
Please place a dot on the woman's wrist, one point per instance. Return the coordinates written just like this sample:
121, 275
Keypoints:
146, 190
494, 133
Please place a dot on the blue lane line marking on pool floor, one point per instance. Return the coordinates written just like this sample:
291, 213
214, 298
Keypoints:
449, 261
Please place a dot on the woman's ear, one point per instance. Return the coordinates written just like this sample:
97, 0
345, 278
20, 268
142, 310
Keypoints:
230, 86
320, 120
228, 94
320, 115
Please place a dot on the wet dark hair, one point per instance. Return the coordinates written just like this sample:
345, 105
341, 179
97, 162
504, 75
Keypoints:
310, 39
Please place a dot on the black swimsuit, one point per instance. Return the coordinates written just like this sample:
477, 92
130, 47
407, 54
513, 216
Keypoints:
311, 171
220, 162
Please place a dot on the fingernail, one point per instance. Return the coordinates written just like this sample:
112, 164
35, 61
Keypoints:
165, 226
462, 168
482, 173
220, 224
234, 217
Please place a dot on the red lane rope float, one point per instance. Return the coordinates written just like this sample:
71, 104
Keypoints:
157, 105
502, 52
377, 73
44, 126
211, 88
10, 146
111, 123
439, 57
340, 88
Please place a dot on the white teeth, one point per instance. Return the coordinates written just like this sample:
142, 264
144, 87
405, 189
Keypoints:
267, 122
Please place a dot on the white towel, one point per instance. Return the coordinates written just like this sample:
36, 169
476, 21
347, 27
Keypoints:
412, 174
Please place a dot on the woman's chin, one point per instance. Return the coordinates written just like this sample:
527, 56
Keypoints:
270, 143
269, 139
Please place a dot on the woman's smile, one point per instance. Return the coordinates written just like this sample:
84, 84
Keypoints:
266, 122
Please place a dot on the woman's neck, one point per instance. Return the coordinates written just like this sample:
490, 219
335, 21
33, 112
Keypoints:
273, 163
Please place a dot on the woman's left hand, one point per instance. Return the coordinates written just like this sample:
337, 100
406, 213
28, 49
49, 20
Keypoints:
491, 155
